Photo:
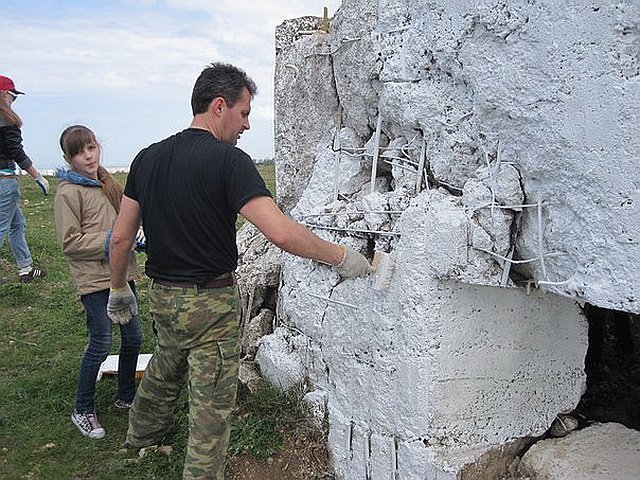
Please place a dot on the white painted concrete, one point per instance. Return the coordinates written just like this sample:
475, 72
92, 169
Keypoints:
523, 117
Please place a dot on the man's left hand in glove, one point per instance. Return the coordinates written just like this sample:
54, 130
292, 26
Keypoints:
122, 305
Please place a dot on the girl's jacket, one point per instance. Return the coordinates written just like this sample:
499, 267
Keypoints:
84, 218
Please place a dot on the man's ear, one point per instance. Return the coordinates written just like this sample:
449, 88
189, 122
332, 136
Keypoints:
217, 105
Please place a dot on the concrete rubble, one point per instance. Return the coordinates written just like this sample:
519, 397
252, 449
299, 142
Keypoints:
589, 453
491, 148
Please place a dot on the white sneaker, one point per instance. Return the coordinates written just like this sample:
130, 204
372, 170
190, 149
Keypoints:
88, 424
123, 404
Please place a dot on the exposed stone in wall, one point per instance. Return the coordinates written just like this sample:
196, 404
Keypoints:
600, 451
430, 367
549, 90
258, 271
502, 142
304, 121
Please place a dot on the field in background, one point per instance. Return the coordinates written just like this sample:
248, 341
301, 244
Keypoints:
42, 337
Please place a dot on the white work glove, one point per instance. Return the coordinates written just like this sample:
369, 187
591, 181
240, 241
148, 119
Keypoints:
140, 243
353, 264
122, 305
43, 183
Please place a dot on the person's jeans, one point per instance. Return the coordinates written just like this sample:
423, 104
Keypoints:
12, 221
99, 326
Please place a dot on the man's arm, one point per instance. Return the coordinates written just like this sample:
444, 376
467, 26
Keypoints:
287, 234
122, 236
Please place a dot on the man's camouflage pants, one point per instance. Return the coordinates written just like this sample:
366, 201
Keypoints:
198, 339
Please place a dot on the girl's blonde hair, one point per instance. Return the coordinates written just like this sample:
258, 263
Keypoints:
72, 140
8, 114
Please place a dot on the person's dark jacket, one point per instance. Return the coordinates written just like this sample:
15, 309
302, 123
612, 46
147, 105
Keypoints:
11, 150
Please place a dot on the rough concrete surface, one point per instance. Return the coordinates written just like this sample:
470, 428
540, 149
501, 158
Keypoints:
602, 451
491, 148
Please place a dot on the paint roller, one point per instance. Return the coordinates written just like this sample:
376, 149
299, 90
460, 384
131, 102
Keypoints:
383, 265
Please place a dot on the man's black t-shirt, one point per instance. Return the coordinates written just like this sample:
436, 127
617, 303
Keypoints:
190, 188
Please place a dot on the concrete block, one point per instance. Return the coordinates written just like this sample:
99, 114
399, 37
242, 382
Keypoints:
598, 452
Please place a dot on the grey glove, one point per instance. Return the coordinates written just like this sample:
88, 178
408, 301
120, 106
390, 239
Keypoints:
122, 305
43, 183
353, 264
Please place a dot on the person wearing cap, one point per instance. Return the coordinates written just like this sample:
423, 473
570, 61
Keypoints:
188, 190
11, 154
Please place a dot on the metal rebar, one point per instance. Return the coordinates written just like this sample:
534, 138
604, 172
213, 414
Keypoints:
336, 173
541, 240
529, 260
402, 159
423, 154
355, 212
354, 230
506, 267
376, 151
564, 282
509, 207
330, 300
403, 147
402, 167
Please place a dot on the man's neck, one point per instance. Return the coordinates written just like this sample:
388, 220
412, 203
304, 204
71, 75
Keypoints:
204, 122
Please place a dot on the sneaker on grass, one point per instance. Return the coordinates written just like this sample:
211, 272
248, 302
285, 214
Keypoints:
119, 403
28, 274
88, 424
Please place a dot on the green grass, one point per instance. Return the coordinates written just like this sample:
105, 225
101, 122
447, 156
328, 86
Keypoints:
42, 338
262, 418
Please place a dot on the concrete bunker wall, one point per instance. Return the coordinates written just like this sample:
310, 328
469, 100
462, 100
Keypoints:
491, 149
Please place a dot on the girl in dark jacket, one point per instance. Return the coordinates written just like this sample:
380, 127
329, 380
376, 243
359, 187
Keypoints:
11, 153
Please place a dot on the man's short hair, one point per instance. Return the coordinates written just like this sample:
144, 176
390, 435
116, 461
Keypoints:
220, 80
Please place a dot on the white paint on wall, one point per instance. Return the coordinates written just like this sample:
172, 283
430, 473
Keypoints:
522, 115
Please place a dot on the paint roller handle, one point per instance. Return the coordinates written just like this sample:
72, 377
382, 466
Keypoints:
353, 264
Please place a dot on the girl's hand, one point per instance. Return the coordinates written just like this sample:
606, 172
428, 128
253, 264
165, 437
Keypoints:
43, 183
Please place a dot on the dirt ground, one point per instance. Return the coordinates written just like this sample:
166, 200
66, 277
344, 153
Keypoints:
304, 457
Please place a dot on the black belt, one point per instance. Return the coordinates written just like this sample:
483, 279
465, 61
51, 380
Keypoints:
226, 280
